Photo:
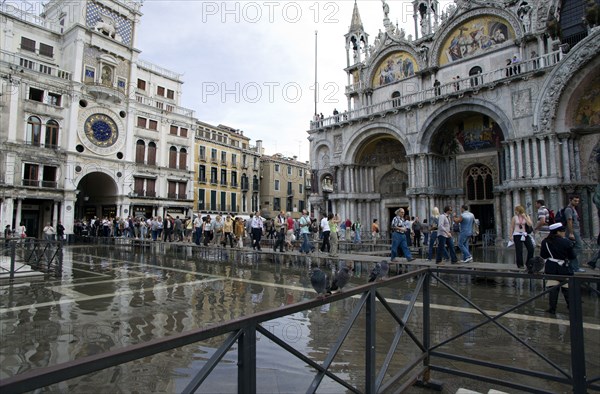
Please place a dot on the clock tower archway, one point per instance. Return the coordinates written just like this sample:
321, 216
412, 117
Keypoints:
97, 196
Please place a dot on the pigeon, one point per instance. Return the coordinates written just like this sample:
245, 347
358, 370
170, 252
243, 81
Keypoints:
380, 271
340, 279
320, 282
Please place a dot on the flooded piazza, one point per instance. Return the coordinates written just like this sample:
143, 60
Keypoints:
110, 297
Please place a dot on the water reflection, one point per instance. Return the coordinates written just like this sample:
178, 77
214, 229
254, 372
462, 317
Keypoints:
108, 298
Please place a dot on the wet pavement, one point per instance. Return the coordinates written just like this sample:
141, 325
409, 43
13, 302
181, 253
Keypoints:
109, 297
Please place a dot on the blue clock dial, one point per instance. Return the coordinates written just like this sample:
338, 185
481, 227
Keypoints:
101, 130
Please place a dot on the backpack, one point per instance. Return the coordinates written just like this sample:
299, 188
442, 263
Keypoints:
475, 230
353, 226
551, 219
560, 217
314, 227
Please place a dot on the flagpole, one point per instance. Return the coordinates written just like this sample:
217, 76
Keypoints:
316, 84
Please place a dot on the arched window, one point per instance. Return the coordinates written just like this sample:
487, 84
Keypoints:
173, 157
34, 130
474, 73
140, 152
396, 99
183, 159
480, 183
51, 134
151, 154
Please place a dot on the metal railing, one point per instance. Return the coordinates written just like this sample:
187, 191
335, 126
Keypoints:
425, 354
41, 255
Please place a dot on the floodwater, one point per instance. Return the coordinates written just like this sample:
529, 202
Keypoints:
112, 297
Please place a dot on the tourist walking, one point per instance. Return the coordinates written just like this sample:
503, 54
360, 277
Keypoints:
304, 223
289, 235
348, 229
375, 231
558, 252
325, 246
239, 230
416, 228
573, 230
228, 231
218, 230
541, 229
207, 232
356, 227
49, 232
258, 227
466, 220
280, 226
334, 221
519, 226
399, 228
444, 237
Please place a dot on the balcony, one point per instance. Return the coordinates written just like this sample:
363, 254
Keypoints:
50, 184
150, 193
214, 160
156, 104
223, 183
224, 162
31, 182
457, 88
176, 196
107, 92
202, 179
234, 185
202, 157
214, 182
21, 62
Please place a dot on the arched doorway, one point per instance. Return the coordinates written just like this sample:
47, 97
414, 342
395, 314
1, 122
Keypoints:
479, 190
96, 197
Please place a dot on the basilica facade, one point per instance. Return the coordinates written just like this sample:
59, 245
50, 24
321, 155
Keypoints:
493, 104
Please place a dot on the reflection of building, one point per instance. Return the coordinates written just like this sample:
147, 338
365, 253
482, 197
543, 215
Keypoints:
227, 169
88, 129
506, 125
283, 185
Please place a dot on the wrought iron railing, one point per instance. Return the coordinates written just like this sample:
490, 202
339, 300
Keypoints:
414, 327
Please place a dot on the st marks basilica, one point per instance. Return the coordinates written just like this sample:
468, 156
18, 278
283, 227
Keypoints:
493, 104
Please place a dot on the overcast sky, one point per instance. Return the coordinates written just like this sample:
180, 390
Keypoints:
251, 64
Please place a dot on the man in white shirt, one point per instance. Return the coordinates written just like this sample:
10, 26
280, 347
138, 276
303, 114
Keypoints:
257, 225
326, 233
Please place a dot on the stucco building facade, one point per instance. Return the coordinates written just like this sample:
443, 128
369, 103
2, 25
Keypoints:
490, 104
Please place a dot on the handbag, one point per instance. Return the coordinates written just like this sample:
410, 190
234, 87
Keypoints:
528, 228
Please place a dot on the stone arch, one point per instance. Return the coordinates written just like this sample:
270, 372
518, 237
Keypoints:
438, 118
366, 133
393, 184
443, 35
323, 155
551, 112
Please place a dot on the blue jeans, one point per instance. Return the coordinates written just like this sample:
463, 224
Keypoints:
306, 245
399, 240
463, 245
577, 247
444, 242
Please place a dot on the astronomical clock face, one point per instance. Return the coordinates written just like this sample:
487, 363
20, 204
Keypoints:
101, 130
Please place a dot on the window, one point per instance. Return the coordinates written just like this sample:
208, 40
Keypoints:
183, 132
54, 99
46, 50
141, 84
45, 69
290, 190
159, 105
140, 151
201, 199
36, 95
213, 200
152, 154
173, 157
30, 174
153, 125
213, 175
138, 186
202, 153
223, 201
213, 154
300, 189
26, 63
173, 130
160, 91
150, 187
299, 171
171, 189
170, 94
300, 205
183, 159
289, 170
89, 74
234, 159
141, 122
276, 167
49, 177
276, 204
233, 202
234, 179
223, 157
396, 99
51, 134
202, 174
27, 44
182, 190
276, 185
34, 130
289, 204
224, 177
474, 73
121, 83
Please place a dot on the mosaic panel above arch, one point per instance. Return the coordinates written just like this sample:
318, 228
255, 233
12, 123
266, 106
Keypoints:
588, 107
467, 132
395, 67
474, 37
381, 151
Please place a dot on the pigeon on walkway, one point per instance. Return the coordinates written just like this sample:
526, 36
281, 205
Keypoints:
380, 271
340, 279
320, 282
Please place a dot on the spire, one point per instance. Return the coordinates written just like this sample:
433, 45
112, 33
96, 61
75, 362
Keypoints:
356, 24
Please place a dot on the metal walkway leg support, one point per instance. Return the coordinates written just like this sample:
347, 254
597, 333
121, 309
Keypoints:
247, 361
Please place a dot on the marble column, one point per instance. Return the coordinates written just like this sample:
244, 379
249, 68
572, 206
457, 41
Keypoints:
553, 159
543, 159
519, 159
528, 159
565, 160
500, 224
18, 211
55, 213
512, 161
535, 158
508, 213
